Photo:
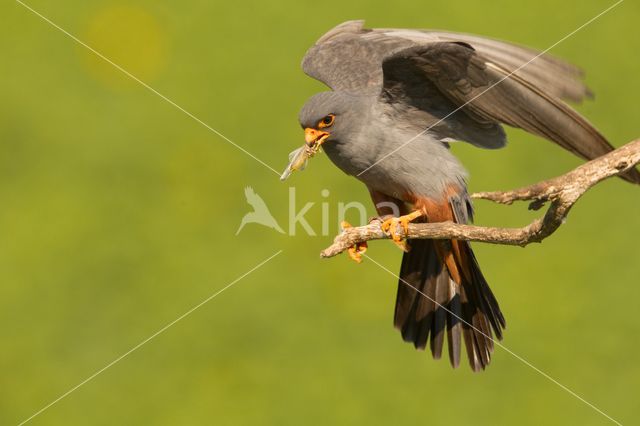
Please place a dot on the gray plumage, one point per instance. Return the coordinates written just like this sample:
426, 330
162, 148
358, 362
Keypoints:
365, 131
391, 86
415, 78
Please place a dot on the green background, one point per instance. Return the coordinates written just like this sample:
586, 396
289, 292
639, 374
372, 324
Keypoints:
119, 213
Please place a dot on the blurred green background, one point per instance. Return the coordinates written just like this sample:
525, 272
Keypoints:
119, 214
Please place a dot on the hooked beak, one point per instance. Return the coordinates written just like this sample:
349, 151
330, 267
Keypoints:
314, 138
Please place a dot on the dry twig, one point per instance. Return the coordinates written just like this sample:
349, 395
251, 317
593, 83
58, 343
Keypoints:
562, 192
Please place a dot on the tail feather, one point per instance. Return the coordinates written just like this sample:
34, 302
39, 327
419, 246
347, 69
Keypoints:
440, 317
416, 307
424, 316
430, 301
454, 325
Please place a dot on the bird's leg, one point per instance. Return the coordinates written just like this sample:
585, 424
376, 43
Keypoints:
390, 225
388, 208
355, 251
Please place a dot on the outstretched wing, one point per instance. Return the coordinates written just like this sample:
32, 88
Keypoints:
427, 76
552, 75
487, 93
349, 58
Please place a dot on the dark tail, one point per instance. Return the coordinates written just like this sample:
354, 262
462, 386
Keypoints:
441, 287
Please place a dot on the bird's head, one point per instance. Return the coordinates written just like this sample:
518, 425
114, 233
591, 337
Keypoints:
328, 117
331, 118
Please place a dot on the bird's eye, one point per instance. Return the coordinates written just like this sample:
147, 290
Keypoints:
327, 121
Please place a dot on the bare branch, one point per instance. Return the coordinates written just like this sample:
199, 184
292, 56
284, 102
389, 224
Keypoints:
562, 192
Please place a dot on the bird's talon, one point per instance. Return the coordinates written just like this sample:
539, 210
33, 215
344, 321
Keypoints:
402, 245
357, 250
390, 227
386, 224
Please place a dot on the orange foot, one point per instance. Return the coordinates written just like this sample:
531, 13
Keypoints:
390, 226
357, 250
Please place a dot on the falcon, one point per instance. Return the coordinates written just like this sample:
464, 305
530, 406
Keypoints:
398, 99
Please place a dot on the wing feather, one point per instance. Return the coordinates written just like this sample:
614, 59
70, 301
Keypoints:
489, 93
551, 74
427, 75
349, 57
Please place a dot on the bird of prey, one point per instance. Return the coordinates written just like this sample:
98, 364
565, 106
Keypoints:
398, 98
260, 213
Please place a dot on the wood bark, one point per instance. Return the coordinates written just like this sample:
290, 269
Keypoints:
561, 193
